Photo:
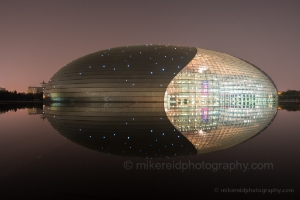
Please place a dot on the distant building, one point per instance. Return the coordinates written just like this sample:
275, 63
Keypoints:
37, 111
35, 89
2, 89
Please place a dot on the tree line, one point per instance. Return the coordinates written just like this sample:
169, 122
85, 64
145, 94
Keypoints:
291, 95
289, 106
7, 106
16, 96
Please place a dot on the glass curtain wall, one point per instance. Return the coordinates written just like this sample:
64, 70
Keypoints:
218, 100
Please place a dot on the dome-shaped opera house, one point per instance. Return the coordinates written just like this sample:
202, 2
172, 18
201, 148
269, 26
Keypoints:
161, 73
155, 94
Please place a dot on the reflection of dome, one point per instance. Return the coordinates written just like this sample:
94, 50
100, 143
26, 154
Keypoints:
124, 129
145, 130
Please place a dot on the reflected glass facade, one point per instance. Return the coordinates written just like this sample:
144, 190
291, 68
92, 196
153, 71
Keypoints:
212, 128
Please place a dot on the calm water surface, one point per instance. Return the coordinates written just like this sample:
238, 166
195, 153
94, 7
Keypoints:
39, 159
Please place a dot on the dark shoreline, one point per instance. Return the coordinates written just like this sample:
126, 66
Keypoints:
6, 106
288, 101
7, 102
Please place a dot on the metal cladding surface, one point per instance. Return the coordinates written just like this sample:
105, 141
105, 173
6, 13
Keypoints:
123, 129
125, 74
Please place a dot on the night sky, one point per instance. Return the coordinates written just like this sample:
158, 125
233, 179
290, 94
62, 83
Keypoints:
37, 38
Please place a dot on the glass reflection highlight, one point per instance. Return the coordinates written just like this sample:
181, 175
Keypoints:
212, 128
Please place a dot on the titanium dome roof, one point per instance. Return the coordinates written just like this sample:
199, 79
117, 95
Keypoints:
132, 73
157, 73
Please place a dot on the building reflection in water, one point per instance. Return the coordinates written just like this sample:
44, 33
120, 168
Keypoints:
35, 111
212, 128
154, 130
